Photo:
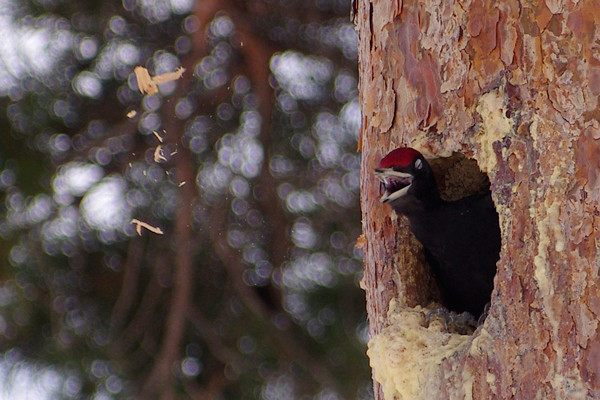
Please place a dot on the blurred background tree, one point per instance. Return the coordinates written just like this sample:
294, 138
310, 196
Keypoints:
252, 290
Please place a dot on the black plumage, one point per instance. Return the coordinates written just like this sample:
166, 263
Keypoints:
461, 238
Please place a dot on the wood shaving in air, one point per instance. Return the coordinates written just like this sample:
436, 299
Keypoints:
160, 139
141, 224
158, 154
149, 84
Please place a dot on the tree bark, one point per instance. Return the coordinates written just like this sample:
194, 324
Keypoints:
513, 85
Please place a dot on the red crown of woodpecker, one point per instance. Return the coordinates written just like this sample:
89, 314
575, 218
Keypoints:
401, 157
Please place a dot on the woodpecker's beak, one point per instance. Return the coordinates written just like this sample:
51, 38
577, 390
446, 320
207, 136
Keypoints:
395, 184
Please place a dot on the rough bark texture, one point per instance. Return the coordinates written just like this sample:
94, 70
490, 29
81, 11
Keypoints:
513, 85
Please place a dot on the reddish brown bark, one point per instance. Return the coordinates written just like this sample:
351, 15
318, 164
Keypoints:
515, 86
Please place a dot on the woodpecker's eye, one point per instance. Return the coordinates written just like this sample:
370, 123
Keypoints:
418, 164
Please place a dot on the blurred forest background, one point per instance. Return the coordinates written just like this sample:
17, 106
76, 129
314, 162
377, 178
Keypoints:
252, 291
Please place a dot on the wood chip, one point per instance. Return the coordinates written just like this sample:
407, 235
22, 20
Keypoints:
160, 139
149, 84
360, 241
181, 184
169, 76
159, 155
141, 224
144, 80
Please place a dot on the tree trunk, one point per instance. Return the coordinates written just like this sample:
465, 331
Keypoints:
513, 85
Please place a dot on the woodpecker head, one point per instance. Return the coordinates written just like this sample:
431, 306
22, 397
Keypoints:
407, 180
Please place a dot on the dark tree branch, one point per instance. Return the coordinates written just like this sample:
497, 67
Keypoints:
160, 380
142, 319
129, 287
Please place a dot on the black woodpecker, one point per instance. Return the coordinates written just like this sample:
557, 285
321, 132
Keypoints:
461, 239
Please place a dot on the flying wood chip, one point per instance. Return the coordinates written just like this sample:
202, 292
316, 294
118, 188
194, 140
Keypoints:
149, 84
159, 154
160, 139
141, 224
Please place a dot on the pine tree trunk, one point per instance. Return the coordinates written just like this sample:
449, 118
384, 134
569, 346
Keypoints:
513, 85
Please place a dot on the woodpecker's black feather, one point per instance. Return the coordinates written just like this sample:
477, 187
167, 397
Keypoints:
461, 238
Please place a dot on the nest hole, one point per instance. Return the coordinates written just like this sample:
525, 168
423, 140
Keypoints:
458, 176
